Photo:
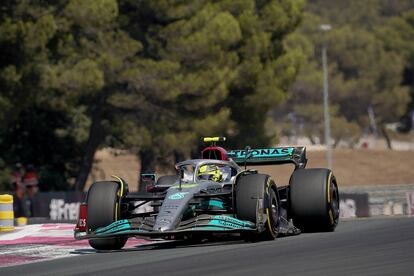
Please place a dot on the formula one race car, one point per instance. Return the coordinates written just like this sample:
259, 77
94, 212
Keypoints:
214, 195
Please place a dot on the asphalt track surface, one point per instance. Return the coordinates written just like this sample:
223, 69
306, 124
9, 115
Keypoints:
383, 246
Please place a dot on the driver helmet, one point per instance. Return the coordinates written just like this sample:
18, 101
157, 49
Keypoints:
210, 172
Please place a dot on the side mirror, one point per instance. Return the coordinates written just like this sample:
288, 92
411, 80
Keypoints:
147, 180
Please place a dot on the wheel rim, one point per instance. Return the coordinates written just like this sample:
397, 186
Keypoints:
275, 210
335, 202
274, 213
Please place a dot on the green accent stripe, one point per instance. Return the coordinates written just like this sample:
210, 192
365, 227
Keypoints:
230, 223
213, 203
113, 227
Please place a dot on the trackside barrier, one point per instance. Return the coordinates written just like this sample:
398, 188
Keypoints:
6, 213
382, 200
356, 201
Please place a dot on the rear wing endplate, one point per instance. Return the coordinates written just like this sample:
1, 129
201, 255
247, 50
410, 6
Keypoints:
270, 156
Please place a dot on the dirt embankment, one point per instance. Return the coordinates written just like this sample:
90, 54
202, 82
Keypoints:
112, 162
358, 167
351, 167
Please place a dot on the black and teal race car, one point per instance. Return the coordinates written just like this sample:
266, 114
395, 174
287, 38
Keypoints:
216, 194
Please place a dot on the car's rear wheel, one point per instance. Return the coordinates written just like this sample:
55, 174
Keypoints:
102, 210
256, 198
314, 200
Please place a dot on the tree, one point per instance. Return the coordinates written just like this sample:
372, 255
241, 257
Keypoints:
266, 67
31, 125
151, 76
90, 55
185, 74
397, 35
228, 58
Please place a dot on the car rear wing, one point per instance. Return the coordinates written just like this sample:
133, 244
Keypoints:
270, 156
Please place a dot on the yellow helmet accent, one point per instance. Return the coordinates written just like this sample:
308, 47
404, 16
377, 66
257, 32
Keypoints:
210, 172
214, 139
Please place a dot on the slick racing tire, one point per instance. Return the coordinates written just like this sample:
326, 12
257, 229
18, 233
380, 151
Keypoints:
314, 200
102, 210
256, 196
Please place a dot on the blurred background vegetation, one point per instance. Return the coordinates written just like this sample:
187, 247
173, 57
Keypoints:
371, 68
152, 77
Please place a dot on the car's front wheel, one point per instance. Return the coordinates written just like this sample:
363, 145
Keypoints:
102, 210
257, 201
